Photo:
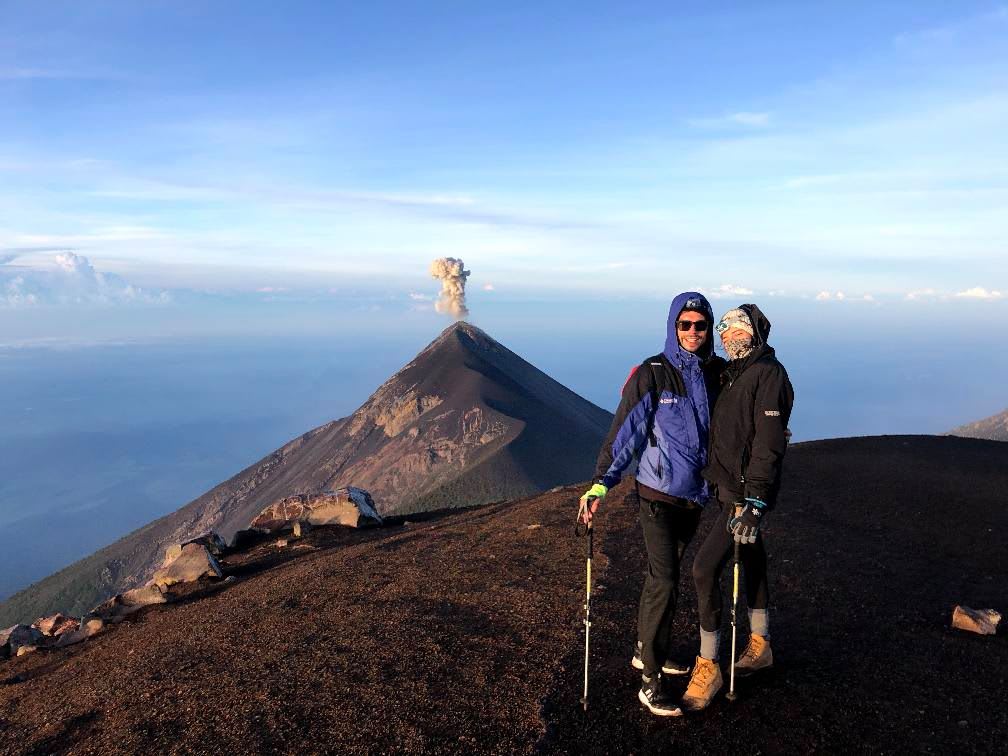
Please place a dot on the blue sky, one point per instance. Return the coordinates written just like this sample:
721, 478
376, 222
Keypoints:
801, 150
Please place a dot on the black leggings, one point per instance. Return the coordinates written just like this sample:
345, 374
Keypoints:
714, 553
667, 530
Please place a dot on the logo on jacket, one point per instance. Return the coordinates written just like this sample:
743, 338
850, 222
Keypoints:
771, 413
668, 400
693, 304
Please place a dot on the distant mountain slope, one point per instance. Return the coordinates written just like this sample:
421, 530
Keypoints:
992, 428
466, 422
472, 622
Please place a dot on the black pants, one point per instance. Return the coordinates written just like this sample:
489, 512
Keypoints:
668, 528
714, 553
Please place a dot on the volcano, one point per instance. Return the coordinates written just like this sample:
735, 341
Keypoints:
467, 422
994, 428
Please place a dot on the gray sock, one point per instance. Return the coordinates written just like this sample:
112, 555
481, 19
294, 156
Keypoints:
709, 643
759, 622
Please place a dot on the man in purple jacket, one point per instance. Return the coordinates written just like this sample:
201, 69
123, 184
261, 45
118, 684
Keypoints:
662, 423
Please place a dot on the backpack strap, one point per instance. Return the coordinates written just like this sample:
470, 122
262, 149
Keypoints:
664, 377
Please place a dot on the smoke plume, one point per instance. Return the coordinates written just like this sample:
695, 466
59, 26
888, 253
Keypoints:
452, 274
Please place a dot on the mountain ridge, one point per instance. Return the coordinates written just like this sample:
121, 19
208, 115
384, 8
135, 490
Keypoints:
993, 428
465, 422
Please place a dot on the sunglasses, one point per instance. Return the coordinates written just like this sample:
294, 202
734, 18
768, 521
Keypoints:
686, 325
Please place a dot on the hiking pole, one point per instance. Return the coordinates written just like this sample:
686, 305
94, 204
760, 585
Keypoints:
734, 607
589, 531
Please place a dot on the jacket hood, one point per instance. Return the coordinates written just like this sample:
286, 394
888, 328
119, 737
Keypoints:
761, 326
761, 330
692, 300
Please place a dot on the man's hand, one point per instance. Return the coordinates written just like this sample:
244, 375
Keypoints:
746, 523
590, 502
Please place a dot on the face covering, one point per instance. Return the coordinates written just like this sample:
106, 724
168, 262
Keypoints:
738, 349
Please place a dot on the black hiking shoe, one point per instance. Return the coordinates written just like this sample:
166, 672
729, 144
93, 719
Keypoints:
669, 667
655, 700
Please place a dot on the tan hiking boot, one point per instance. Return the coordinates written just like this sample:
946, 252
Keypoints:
757, 656
703, 685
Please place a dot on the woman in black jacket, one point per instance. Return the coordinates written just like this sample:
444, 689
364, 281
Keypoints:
748, 438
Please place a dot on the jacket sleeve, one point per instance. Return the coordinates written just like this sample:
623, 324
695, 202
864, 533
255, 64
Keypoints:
628, 432
774, 398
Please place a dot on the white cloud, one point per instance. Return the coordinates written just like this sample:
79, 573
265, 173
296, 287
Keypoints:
978, 292
488, 287
739, 118
69, 279
921, 294
420, 297
725, 290
831, 296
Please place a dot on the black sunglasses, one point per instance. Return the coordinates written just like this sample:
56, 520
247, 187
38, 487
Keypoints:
685, 325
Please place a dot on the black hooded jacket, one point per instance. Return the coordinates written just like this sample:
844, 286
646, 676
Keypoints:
748, 423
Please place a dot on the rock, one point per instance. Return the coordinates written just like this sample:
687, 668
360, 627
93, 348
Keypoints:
19, 635
301, 529
55, 625
172, 553
194, 562
213, 543
91, 627
121, 606
345, 506
982, 621
349, 506
281, 543
533, 526
26, 650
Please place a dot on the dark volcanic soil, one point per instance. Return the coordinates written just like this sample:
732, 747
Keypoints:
462, 632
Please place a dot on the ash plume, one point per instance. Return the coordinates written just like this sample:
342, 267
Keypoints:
452, 274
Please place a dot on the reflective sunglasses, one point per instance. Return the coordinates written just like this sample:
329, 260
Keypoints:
686, 325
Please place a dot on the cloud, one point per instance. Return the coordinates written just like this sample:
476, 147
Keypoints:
740, 118
70, 279
978, 292
4, 259
420, 297
489, 287
725, 290
921, 294
828, 296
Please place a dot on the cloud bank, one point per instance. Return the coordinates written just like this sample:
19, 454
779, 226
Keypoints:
68, 279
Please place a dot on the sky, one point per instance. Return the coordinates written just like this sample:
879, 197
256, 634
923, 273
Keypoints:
805, 150
217, 219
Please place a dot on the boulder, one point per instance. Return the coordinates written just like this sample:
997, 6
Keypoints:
16, 636
348, 506
90, 627
982, 621
22, 650
345, 506
194, 561
301, 529
118, 607
213, 542
55, 625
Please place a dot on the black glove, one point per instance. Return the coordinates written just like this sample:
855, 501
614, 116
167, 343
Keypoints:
745, 524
